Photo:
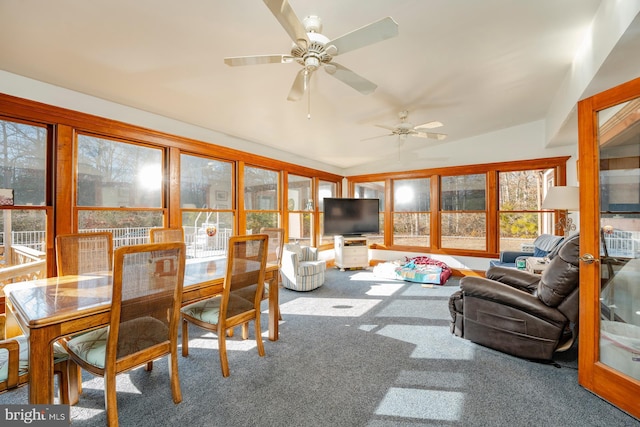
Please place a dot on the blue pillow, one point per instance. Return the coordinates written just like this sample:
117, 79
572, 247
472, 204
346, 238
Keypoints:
537, 252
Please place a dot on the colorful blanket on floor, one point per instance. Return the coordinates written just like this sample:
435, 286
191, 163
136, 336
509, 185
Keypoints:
420, 269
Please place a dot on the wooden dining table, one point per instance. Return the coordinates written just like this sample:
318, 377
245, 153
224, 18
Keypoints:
49, 309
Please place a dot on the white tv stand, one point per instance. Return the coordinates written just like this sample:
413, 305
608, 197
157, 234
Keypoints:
351, 252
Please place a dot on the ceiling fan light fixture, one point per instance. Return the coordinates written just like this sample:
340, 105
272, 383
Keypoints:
311, 63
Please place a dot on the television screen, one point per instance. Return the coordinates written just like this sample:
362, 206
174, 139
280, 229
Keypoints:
351, 216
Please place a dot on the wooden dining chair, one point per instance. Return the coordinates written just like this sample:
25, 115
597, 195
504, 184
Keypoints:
160, 235
246, 261
144, 318
14, 364
274, 256
83, 253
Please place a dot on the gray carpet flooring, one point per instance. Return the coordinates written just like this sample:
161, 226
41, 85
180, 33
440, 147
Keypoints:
359, 351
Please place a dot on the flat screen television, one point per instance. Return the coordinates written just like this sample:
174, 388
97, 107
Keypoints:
351, 216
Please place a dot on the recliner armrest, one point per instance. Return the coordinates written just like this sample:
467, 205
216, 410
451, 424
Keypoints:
520, 279
504, 294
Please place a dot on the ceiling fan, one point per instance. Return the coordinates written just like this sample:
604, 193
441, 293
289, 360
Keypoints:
405, 128
313, 50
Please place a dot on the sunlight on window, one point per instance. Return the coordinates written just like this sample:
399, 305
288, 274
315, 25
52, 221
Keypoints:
150, 177
403, 195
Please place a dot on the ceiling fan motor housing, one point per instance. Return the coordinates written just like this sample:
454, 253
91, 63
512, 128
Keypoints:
315, 54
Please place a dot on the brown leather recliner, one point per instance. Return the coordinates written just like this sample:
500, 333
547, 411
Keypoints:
521, 313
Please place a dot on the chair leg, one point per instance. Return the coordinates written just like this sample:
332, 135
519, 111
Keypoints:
110, 401
70, 381
259, 336
222, 350
176, 392
185, 338
60, 371
245, 330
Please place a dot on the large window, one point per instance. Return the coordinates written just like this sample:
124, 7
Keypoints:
261, 198
207, 201
411, 212
463, 218
119, 188
23, 196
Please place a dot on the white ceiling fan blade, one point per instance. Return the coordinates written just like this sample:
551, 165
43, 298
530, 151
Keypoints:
258, 59
430, 135
350, 78
289, 21
391, 128
369, 34
376, 137
430, 125
298, 87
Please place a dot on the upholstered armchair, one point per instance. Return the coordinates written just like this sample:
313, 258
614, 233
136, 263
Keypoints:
524, 314
301, 269
542, 246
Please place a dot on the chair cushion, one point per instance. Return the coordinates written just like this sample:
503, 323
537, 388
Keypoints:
91, 346
209, 310
23, 367
310, 268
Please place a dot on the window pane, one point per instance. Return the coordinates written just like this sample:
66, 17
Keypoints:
373, 190
23, 245
411, 195
23, 150
519, 230
257, 220
325, 189
300, 227
261, 189
205, 183
118, 174
299, 197
411, 229
370, 190
206, 233
522, 190
129, 227
463, 193
464, 231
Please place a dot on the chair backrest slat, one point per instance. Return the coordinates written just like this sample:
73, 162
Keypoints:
84, 253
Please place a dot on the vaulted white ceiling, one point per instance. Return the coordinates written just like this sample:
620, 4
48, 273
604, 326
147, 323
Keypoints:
476, 66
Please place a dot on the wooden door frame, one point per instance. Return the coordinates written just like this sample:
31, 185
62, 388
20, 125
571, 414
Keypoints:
598, 378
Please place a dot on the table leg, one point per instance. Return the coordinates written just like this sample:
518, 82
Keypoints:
40, 367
